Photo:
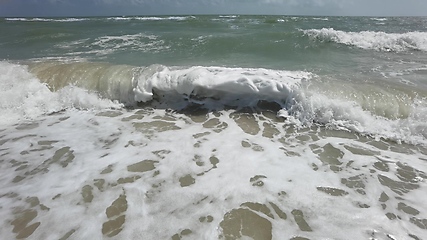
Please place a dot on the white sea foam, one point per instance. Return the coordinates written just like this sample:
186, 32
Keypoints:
321, 19
82, 175
25, 97
48, 19
379, 41
39, 19
139, 42
175, 18
16, 19
392, 115
106, 45
219, 82
241, 85
348, 115
228, 16
380, 19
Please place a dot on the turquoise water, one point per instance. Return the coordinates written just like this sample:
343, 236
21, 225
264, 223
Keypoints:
207, 127
245, 41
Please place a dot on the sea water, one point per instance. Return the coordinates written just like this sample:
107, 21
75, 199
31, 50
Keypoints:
213, 127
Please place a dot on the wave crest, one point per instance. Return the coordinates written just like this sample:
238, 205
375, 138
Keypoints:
225, 84
296, 96
23, 96
380, 41
48, 19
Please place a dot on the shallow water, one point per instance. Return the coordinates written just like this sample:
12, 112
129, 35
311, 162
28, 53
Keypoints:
156, 174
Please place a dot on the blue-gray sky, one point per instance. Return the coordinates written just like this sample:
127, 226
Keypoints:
26, 8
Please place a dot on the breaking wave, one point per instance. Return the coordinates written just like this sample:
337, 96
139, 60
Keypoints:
123, 18
25, 97
48, 19
380, 41
295, 96
174, 18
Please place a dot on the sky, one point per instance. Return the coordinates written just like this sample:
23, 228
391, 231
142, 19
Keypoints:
69, 8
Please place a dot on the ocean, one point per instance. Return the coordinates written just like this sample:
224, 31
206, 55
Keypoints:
213, 127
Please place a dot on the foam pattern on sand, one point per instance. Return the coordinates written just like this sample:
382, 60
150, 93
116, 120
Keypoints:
159, 174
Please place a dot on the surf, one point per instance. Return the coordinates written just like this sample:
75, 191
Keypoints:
301, 98
380, 41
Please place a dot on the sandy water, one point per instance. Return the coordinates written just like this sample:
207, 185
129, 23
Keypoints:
157, 174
